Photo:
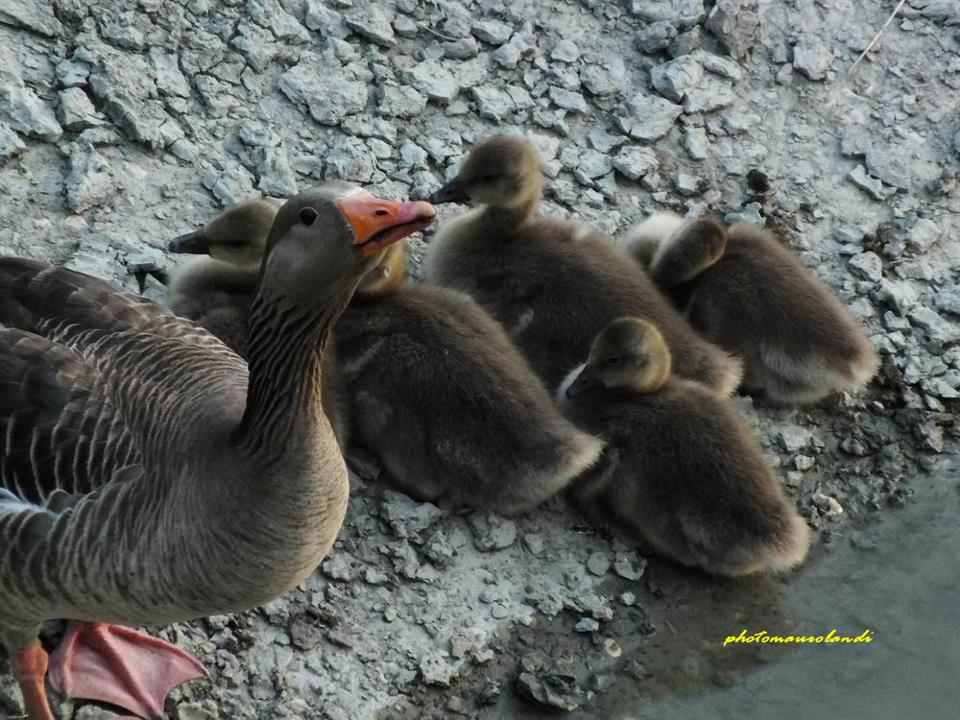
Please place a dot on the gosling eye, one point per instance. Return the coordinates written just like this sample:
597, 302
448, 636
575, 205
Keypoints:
308, 215
487, 178
613, 360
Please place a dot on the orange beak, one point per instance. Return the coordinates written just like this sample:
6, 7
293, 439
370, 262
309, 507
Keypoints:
378, 223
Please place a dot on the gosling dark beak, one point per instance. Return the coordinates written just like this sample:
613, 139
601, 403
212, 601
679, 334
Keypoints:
195, 242
453, 191
586, 380
379, 223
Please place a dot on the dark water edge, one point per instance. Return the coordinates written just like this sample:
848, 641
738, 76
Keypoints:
898, 577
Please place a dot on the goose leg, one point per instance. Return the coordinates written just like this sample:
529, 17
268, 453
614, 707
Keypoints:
29, 668
120, 666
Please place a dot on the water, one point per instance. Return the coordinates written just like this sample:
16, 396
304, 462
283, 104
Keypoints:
906, 590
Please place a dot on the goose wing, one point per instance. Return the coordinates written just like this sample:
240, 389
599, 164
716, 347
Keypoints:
94, 381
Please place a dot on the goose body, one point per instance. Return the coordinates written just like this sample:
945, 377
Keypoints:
750, 295
140, 457
553, 284
440, 395
681, 472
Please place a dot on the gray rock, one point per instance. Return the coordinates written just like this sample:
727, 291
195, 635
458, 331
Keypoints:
890, 165
947, 299
871, 185
407, 518
436, 671
76, 112
23, 111
35, 15
724, 67
899, 294
509, 54
495, 103
435, 81
461, 49
924, 235
629, 565
170, 80
867, 265
598, 563
710, 94
686, 184
405, 26
89, 182
373, 22
533, 542
338, 566
10, 143
655, 36
231, 185
811, 56
750, 213
683, 13
491, 532
938, 330
271, 15
552, 690
349, 159
587, 624
400, 101
695, 142
569, 100
854, 142
276, 176
676, 78
72, 74
686, 43
328, 93
793, 439
647, 117
735, 24
565, 51
492, 31
635, 161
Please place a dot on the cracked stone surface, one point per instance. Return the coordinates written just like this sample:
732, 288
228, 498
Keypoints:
123, 124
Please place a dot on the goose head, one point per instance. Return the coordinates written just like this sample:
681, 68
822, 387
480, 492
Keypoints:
629, 353
504, 171
237, 236
330, 236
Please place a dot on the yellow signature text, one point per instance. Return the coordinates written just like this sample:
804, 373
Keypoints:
830, 638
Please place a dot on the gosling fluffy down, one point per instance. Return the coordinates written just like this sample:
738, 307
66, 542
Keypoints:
553, 284
751, 296
682, 471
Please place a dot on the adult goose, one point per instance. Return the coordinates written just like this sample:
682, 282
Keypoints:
139, 457
554, 284
436, 390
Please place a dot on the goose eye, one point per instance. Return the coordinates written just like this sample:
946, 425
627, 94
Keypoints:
308, 215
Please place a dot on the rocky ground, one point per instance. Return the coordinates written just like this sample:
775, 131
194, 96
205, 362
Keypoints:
123, 124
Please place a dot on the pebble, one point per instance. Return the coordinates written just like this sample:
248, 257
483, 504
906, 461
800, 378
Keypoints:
629, 565
598, 563
10, 143
648, 118
373, 22
328, 93
924, 235
568, 100
436, 671
811, 56
793, 439
687, 184
695, 142
533, 543
586, 625
655, 36
493, 32
635, 161
859, 177
435, 81
491, 532
553, 690
674, 79
829, 506
565, 51
89, 182
735, 24
867, 265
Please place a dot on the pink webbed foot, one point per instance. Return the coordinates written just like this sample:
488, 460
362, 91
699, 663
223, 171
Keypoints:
29, 668
120, 666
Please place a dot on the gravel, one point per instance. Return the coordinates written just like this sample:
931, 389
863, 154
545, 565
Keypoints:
122, 125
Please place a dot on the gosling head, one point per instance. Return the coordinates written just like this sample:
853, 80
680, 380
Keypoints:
237, 236
503, 171
629, 353
325, 239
